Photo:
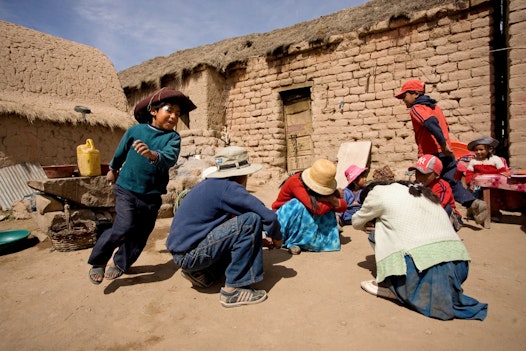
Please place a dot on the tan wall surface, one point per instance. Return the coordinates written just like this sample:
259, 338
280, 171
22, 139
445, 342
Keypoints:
51, 143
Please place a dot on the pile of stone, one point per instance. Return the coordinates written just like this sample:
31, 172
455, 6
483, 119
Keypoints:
74, 210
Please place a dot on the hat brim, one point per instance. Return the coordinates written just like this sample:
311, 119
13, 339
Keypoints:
235, 172
483, 141
142, 112
400, 94
361, 170
317, 188
421, 170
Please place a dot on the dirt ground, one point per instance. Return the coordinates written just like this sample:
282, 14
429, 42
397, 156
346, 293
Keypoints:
315, 300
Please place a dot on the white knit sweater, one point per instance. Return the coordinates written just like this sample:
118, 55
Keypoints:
408, 225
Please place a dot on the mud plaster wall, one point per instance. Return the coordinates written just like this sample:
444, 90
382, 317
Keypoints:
52, 143
205, 88
451, 53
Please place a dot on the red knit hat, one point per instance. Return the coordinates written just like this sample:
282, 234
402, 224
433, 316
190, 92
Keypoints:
411, 85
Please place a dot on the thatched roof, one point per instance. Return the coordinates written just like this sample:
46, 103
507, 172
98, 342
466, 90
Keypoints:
237, 50
45, 77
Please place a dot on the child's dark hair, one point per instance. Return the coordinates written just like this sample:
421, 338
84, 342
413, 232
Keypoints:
354, 185
415, 189
490, 149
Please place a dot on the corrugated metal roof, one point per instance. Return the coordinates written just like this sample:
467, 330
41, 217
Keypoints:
13, 182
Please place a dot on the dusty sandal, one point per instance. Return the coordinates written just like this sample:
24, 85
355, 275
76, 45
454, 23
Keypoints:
96, 275
295, 250
113, 273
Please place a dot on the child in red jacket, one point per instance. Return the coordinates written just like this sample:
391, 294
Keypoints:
427, 172
432, 137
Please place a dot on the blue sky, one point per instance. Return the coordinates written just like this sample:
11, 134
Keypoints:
132, 31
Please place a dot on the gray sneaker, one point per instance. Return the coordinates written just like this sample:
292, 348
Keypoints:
241, 296
480, 211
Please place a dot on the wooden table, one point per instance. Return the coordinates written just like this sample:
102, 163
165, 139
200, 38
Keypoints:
498, 181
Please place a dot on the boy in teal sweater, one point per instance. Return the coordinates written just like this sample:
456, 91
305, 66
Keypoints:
140, 170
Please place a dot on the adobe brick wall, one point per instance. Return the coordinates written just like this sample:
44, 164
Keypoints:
450, 51
517, 82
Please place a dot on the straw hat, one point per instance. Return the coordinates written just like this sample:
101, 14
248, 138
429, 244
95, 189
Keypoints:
320, 177
232, 161
169, 95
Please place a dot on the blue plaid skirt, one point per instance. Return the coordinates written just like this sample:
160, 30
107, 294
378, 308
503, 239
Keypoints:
301, 228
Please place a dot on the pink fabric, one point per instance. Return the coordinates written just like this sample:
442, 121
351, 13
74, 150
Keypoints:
499, 181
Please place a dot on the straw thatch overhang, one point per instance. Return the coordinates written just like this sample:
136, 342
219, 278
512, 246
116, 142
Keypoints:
373, 16
34, 107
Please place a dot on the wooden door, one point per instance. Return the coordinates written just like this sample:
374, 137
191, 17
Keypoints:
298, 125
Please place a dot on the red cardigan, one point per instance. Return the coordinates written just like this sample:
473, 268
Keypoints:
492, 165
294, 188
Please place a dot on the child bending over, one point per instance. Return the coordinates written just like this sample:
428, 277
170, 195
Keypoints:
427, 172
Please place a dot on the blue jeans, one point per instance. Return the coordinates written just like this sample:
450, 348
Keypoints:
237, 240
460, 193
134, 221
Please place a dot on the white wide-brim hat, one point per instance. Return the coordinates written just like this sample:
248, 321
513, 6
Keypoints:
232, 161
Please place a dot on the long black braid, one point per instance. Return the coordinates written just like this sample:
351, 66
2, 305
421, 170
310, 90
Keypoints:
415, 189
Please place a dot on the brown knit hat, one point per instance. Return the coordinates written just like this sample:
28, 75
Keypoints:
170, 95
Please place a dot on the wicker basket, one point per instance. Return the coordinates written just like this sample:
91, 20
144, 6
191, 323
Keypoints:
76, 235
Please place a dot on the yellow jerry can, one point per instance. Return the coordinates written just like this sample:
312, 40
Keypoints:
88, 159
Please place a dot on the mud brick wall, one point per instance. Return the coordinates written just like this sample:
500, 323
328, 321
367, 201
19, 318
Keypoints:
448, 50
517, 82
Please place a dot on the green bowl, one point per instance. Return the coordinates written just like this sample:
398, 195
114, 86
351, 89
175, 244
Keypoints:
11, 236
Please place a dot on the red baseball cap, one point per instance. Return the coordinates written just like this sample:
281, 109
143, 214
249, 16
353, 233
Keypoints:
427, 164
411, 85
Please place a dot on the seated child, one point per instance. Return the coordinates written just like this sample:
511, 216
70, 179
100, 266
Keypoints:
356, 181
484, 161
427, 172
